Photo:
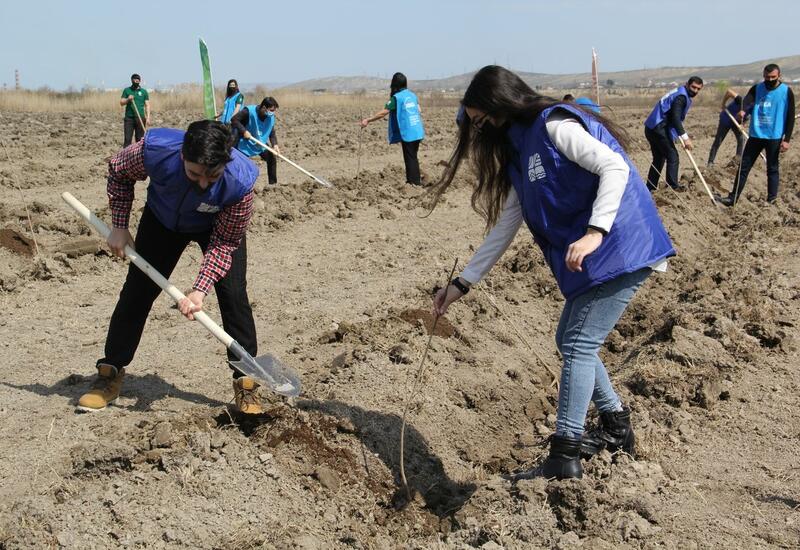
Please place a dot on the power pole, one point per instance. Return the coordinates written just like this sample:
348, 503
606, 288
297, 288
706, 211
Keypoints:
16, 79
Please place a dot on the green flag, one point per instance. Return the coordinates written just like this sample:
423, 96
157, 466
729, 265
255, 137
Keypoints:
209, 105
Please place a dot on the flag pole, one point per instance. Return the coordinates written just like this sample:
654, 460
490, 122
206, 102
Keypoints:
595, 78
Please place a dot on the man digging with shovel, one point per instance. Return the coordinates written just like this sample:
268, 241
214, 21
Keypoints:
200, 190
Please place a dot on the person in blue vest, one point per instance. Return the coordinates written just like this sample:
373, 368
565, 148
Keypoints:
405, 124
771, 107
583, 102
201, 190
234, 100
565, 173
664, 127
725, 125
258, 121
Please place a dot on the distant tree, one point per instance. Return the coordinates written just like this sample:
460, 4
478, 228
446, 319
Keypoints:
609, 83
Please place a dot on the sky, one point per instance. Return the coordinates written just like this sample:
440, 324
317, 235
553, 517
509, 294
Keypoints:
73, 42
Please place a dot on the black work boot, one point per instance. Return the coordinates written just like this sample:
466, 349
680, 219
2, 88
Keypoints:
614, 433
563, 462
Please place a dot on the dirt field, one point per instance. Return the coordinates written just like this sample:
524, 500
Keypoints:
341, 280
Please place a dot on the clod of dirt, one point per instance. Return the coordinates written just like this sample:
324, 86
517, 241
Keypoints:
400, 353
444, 328
16, 242
74, 248
162, 435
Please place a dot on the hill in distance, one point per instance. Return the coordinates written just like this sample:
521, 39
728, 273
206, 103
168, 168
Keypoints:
658, 77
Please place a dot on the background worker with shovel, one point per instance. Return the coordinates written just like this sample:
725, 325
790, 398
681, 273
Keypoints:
201, 190
258, 122
725, 125
136, 101
664, 126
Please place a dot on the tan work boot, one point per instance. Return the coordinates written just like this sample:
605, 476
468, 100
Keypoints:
104, 390
245, 394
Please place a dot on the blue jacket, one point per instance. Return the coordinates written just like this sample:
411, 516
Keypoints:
259, 129
405, 124
556, 196
659, 112
228, 107
172, 197
769, 112
733, 107
588, 103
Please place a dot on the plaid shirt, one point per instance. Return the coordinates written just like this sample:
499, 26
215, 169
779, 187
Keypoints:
230, 224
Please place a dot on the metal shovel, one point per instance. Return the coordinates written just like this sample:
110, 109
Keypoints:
267, 369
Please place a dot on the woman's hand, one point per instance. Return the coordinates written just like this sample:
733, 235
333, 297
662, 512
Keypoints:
364, 122
192, 303
581, 248
444, 297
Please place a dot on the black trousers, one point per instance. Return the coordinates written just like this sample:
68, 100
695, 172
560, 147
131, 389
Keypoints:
663, 149
722, 132
130, 126
272, 166
772, 148
410, 150
162, 248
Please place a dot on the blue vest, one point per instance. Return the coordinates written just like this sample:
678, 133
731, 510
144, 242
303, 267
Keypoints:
769, 112
556, 196
229, 107
661, 109
260, 129
733, 108
406, 123
588, 103
172, 197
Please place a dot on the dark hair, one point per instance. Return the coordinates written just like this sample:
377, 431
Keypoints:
228, 91
269, 102
772, 67
694, 80
504, 96
568, 97
207, 142
135, 76
399, 81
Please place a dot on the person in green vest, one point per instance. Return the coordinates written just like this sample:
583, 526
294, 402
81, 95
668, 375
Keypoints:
135, 95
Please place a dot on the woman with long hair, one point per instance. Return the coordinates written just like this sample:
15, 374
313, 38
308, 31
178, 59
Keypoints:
405, 124
562, 170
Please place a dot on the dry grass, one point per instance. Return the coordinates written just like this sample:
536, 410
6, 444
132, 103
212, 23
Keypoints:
190, 98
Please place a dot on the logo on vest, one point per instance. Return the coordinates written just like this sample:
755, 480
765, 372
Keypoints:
208, 208
535, 168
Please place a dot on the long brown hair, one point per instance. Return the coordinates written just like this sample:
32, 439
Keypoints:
504, 97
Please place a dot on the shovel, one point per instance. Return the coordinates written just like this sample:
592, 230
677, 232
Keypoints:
320, 181
267, 369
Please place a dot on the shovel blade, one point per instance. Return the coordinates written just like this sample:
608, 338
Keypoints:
271, 372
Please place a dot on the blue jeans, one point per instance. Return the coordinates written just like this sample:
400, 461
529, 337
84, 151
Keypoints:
584, 325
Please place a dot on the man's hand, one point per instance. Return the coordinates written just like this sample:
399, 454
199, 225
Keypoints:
247, 135
364, 123
581, 248
784, 146
688, 144
117, 239
130, 99
276, 149
191, 304
741, 116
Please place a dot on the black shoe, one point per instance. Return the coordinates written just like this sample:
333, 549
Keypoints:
614, 433
725, 201
563, 462
679, 187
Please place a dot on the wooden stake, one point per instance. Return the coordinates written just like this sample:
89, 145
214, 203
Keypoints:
138, 116
744, 133
411, 396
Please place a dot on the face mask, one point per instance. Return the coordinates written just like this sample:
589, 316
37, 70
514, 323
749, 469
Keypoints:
135, 85
771, 84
